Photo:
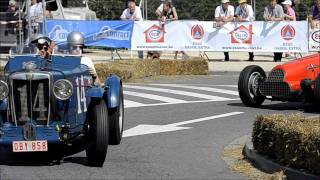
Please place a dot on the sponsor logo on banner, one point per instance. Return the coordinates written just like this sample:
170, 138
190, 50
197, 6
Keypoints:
288, 32
58, 34
197, 32
316, 36
155, 34
242, 34
107, 32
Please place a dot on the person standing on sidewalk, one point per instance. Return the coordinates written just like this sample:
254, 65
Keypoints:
223, 14
244, 13
169, 13
289, 15
274, 12
133, 13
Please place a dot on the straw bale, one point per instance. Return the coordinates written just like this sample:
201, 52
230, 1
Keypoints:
136, 69
292, 140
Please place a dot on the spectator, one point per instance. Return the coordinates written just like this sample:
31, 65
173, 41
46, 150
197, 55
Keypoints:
274, 12
244, 13
289, 13
36, 15
314, 13
133, 13
223, 14
160, 8
169, 13
11, 16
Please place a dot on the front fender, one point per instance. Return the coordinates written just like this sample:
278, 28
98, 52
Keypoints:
113, 87
96, 92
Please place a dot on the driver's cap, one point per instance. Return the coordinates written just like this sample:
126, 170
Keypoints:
40, 39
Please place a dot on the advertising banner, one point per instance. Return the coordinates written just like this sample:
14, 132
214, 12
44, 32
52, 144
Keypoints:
114, 34
209, 36
314, 36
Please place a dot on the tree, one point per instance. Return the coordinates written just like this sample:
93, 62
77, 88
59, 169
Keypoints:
192, 9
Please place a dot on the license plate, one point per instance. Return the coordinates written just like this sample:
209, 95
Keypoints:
29, 146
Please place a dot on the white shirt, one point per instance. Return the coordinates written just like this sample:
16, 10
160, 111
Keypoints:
135, 16
88, 62
219, 12
246, 13
36, 11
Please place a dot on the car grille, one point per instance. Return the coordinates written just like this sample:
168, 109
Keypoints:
30, 100
274, 85
276, 76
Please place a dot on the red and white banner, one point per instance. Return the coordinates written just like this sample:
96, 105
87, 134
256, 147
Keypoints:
314, 37
208, 36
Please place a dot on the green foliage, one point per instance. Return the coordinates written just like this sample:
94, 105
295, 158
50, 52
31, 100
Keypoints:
191, 9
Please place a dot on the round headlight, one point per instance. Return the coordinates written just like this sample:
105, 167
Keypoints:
4, 90
62, 89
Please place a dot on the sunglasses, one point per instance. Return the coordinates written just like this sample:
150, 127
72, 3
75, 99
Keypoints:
41, 47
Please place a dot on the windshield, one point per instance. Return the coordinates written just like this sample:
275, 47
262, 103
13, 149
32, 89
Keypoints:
73, 3
16, 51
64, 50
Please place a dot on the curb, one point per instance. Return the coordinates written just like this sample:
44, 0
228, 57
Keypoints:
269, 166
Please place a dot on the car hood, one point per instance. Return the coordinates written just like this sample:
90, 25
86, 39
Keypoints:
302, 68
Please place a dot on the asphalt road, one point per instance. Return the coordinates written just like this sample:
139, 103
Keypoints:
176, 128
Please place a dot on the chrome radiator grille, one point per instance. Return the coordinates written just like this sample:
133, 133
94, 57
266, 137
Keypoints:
274, 85
30, 100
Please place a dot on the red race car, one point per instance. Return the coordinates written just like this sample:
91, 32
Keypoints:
297, 80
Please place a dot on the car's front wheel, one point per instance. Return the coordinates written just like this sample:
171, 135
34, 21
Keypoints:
98, 133
116, 119
248, 86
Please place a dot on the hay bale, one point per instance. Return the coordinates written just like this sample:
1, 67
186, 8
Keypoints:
129, 69
195, 66
290, 140
136, 69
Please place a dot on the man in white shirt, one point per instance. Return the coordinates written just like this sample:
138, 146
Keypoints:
244, 13
223, 14
133, 12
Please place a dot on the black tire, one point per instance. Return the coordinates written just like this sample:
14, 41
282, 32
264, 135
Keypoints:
317, 90
98, 134
116, 120
248, 86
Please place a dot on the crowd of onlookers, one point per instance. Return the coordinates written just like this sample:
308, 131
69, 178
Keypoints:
275, 11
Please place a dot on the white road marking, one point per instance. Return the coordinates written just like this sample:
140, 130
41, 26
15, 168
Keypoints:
130, 104
154, 97
184, 93
144, 129
224, 91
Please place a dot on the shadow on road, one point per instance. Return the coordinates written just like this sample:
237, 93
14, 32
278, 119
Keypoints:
76, 160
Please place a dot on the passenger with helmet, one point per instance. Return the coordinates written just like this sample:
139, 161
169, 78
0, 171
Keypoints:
75, 42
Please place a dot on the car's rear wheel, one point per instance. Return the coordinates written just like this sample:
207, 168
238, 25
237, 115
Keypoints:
248, 86
116, 119
98, 133
317, 90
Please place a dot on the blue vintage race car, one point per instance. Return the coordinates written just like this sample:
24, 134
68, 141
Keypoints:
54, 108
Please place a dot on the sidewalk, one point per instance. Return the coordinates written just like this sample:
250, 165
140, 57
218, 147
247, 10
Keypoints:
238, 60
